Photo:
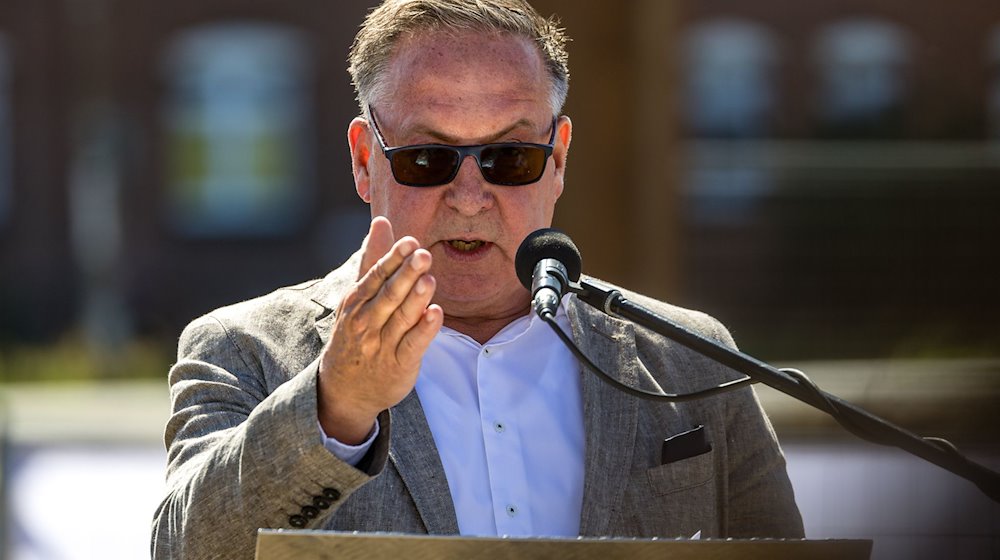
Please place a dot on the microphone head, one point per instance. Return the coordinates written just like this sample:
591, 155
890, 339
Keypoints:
548, 243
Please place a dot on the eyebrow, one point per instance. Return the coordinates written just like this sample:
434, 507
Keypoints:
446, 139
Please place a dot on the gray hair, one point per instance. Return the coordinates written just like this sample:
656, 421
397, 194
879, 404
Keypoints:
393, 19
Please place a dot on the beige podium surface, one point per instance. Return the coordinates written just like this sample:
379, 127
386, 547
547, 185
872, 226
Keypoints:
300, 544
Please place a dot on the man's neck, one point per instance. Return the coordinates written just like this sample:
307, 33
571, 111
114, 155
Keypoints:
482, 329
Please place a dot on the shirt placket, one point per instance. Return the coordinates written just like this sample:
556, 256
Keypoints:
502, 438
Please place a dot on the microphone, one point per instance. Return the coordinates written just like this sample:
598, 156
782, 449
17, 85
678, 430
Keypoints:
546, 262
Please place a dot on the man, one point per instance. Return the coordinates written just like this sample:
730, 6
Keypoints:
411, 390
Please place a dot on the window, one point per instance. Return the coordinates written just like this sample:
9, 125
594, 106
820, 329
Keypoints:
862, 73
236, 120
729, 79
729, 93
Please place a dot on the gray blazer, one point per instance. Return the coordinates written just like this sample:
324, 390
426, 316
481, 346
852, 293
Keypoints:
245, 450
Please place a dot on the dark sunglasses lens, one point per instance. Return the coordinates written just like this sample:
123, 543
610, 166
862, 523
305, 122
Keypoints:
513, 165
424, 167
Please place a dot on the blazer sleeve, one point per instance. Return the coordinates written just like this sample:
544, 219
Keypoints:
241, 457
760, 499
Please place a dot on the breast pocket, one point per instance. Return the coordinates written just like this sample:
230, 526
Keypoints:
682, 475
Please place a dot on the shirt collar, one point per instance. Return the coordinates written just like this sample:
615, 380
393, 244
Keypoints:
515, 329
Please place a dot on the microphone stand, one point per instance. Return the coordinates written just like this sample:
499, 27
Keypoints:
855, 419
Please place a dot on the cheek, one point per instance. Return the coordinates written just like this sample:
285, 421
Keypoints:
525, 214
404, 206
384, 193
541, 205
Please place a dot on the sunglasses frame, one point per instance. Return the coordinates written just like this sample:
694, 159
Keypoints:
474, 150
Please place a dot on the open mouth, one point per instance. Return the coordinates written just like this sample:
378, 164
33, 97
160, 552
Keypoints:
465, 246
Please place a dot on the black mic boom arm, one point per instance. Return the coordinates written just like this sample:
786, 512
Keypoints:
795, 384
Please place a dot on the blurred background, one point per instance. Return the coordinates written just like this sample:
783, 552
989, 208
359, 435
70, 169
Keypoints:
824, 177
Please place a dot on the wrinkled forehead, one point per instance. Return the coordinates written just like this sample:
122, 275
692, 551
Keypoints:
448, 66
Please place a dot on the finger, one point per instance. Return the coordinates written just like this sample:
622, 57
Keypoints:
377, 243
415, 342
387, 266
396, 289
409, 312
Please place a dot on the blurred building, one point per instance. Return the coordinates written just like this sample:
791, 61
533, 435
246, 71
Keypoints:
163, 158
842, 174
823, 176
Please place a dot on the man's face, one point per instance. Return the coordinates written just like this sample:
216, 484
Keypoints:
462, 89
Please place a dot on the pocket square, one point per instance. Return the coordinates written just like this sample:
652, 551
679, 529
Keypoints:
685, 445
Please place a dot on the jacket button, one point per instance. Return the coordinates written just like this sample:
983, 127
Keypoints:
331, 494
297, 521
309, 512
321, 502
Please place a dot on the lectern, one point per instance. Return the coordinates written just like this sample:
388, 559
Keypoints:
307, 545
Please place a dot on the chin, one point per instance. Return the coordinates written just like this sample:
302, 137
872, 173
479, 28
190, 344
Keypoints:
462, 298
475, 297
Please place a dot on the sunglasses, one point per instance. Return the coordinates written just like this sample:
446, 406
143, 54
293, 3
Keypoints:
431, 165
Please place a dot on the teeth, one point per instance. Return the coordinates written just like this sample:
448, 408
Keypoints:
465, 245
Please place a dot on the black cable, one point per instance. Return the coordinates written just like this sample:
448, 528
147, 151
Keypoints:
791, 382
641, 393
834, 410
829, 406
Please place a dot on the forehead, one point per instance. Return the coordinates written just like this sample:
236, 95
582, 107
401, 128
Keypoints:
467, 71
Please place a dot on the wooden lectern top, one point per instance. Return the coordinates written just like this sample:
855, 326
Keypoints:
300, 544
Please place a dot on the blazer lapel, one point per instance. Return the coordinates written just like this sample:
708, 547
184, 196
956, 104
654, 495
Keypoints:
416, 458
610, 416
329, 291
411, 450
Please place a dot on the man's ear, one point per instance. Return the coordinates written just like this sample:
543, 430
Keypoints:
564, 134
360, 143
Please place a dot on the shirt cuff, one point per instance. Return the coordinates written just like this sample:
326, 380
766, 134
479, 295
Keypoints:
350, 454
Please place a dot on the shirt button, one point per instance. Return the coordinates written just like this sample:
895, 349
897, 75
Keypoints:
486, 351
499, 427
297, 521
511, 510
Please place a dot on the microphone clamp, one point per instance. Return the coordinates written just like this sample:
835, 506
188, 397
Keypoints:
549, 282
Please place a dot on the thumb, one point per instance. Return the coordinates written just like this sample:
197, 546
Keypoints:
377, 243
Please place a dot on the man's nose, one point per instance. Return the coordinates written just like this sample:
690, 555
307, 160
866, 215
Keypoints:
470, 193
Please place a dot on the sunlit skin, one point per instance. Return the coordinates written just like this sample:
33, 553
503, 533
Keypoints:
459, 88
465, 90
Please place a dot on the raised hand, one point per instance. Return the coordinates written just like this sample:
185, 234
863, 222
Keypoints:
382, 328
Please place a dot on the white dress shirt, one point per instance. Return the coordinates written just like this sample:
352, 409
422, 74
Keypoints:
507, 419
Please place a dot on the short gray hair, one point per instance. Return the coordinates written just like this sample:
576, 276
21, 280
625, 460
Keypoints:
393, 19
